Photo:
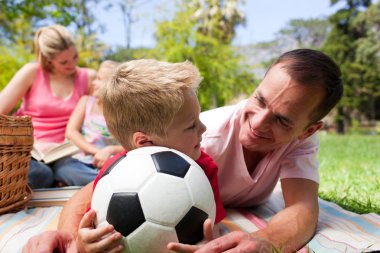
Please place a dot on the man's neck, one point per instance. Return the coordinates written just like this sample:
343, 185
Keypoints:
252, 159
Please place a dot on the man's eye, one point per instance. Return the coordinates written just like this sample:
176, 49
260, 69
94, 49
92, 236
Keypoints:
282, 122
259, 101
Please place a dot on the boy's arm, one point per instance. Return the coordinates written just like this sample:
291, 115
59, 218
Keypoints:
74, 210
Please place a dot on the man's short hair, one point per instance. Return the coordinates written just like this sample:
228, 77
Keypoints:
314, 68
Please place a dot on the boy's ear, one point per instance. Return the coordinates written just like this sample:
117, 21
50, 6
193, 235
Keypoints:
141, 139
311, 130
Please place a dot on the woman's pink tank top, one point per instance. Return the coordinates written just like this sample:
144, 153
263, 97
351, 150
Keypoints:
50, 114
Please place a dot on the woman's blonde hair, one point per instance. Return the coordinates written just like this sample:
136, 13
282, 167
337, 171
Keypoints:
50, 41
145, 95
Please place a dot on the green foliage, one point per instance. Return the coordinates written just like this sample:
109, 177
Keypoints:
186, 38
349, 171
353, 44
122, 54
12, 59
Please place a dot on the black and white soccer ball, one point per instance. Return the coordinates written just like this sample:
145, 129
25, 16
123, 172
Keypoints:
153, 196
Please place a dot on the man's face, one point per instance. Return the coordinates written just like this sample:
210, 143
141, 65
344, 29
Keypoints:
278, 112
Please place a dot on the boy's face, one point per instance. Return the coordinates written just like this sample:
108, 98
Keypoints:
278, 112
185, 131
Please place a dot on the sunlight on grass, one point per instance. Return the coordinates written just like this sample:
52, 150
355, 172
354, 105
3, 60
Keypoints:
350, 171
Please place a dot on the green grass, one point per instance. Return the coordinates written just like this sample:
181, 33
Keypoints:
350, 171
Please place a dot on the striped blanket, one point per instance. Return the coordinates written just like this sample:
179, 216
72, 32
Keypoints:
338, 230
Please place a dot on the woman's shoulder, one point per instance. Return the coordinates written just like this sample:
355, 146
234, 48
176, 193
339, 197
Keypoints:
30, 68
91, 73
28, 73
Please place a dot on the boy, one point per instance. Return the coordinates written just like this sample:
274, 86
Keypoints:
146, 103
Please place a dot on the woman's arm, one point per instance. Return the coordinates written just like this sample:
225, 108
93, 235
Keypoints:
17, 87
73, 128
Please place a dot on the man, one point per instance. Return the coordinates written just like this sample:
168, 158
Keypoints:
258, 141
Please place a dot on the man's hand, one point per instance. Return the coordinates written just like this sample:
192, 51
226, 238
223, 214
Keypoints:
237, 242
208, 235
51, 241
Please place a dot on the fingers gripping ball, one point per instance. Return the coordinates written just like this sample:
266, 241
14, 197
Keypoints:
153, 196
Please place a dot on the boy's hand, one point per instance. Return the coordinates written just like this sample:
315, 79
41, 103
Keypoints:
186, 248
104, 239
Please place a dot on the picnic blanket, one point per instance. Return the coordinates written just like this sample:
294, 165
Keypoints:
338, 230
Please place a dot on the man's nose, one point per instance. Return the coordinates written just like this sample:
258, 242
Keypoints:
260, 119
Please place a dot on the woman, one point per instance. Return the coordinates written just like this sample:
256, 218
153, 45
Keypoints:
50, 89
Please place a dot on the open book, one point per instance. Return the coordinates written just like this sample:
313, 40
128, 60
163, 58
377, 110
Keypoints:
47, 152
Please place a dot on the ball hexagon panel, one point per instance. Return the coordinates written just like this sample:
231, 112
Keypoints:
165, 199
190, 229
170, 163
125, 212
150, 238
127, 178
200, 190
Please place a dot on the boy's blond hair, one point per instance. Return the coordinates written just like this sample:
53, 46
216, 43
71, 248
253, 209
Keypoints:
109, 65
50, 41
144, 96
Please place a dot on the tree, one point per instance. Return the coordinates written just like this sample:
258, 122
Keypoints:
307, 33
342, 47
368, 58
201, 31
127, 8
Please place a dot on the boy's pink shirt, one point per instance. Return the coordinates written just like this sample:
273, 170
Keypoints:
298, 159
50, 114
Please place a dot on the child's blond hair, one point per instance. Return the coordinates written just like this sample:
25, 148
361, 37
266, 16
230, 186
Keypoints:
144, 96
109, 66
50, 41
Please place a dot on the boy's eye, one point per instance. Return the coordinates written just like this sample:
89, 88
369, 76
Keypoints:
192, 126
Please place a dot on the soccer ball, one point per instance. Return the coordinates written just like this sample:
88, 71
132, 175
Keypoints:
153, 196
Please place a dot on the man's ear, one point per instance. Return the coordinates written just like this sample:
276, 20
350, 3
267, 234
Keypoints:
311, 130
141, 139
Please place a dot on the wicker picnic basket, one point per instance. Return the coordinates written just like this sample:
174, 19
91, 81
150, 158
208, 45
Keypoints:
16, 142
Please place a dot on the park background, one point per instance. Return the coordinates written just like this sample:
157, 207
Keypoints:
232, 42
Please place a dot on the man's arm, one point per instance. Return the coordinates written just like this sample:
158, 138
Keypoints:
293, 227
74, 210
289, 229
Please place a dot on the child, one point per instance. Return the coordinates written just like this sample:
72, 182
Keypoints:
87, 129
146, 103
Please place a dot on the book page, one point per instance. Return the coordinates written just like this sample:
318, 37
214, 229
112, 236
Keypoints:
49, 151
